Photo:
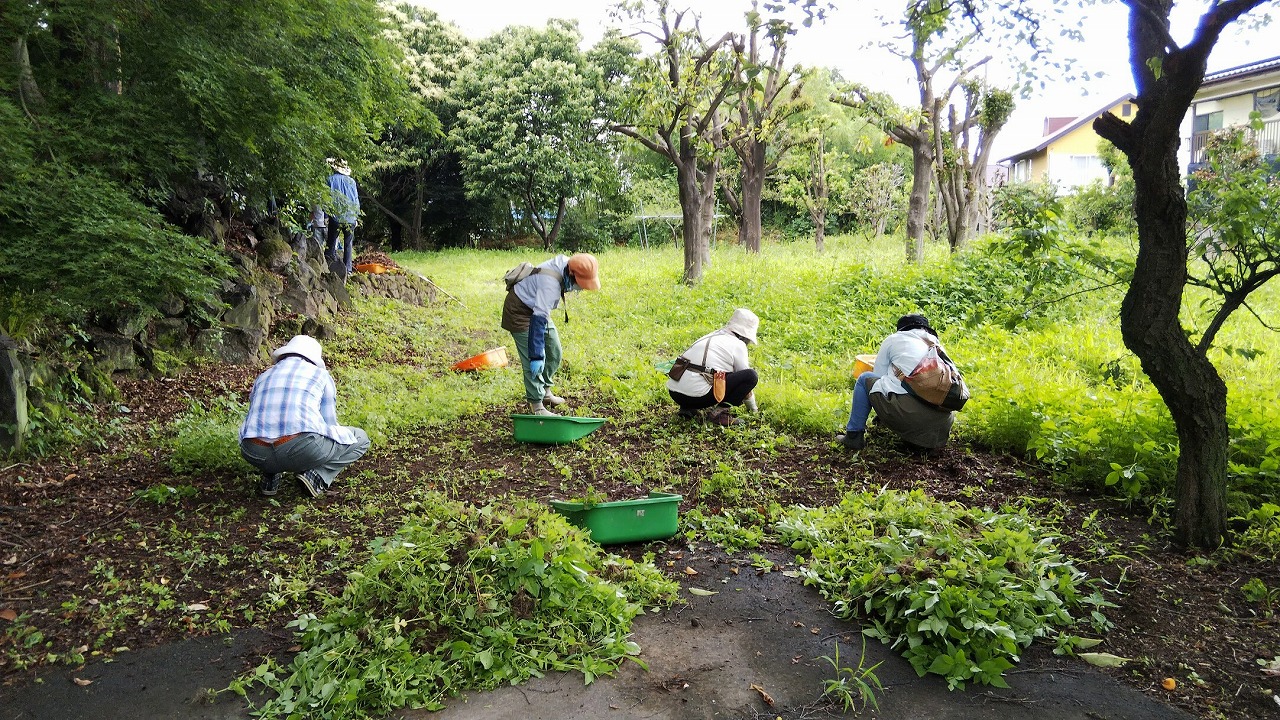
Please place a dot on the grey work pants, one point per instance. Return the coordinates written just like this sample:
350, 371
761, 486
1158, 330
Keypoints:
307, 451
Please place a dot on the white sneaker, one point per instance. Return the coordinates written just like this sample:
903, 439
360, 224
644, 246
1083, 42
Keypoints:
552, 399
537, 408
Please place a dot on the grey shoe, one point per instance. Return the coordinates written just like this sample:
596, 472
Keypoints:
270, 485
552, 400
312, 481
853, 440
537, 408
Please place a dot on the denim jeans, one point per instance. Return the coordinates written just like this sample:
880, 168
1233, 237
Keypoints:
537, 387
348, 233
861, 402
308, 451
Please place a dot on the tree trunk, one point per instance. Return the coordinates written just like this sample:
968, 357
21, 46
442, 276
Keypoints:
691, 214
918, 206
1187, 381
28, 89
708, 224
752, 188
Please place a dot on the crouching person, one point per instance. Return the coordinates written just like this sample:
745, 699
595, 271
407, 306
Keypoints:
922, 426
714, 375
292, 425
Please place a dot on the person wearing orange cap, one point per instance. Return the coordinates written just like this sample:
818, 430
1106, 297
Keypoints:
526, 314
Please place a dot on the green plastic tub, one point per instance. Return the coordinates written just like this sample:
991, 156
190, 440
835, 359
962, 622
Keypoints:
553, 429
653, 518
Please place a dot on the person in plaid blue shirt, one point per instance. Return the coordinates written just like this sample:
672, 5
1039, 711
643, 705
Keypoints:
292, 424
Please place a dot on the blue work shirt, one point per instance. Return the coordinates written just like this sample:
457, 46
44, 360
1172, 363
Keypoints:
346, 198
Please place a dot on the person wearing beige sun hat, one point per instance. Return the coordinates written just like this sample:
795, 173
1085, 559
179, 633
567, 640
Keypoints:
714, 375
292, 423
526, 314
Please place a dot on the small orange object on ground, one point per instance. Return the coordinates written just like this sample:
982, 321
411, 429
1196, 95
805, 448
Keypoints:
495, 358
1169, 684
372, 268
864, 363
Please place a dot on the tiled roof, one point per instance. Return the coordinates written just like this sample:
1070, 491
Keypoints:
1241, 71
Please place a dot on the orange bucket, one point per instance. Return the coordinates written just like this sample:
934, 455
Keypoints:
863, 363
489, 359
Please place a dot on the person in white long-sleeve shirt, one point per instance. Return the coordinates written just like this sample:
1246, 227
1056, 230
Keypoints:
724, 350
918, 423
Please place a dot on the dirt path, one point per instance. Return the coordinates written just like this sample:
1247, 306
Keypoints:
759, 629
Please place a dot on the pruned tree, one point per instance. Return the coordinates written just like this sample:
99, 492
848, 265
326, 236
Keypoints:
768, 95
962, 158
674, 107
1167, 76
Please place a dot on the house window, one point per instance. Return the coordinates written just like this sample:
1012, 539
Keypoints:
1265, 102
1126, 110
1207, 122
1201, 126
1079, 170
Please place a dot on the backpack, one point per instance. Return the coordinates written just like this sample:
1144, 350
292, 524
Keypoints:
936, 380
524, 270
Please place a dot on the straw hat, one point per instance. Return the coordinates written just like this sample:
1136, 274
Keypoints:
304, 346
340, 166
743, 323
586, 271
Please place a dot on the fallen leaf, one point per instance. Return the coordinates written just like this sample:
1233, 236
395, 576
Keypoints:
813, 630
700, 591
16, 575
81, 681
795, 660
796, 623
1086, 643
690, 571
193, 607
734, 570
1103, 659
763, 695
72, 476
82, 649
11, 560
8, 614
791, 573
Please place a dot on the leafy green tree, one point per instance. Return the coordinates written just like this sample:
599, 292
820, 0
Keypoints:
527, 128
962, 150
127, 114
1167, 76
417, 184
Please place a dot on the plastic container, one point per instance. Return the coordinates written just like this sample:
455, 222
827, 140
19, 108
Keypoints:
863, 363
371, 268
656, 517
553, 429
487, 360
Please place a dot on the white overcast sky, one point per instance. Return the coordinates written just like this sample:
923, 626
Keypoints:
847, 39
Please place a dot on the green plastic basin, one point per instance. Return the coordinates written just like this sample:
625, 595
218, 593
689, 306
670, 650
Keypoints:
553, 429
653, 518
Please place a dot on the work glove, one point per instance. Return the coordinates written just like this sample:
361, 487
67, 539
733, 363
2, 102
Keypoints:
750, 403
535, 367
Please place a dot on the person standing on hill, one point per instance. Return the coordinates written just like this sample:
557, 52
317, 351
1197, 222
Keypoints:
714, 374
919, 424
292, 423
346, 213
526, 314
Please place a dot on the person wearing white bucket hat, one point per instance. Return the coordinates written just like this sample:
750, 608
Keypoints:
292, 423
346, 213
714, 374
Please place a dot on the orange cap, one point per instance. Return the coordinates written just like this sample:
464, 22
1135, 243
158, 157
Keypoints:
586, 271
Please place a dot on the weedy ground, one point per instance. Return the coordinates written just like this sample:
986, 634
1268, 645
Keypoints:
149, 528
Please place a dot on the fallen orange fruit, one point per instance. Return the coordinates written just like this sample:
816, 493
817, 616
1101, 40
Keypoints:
1169, 684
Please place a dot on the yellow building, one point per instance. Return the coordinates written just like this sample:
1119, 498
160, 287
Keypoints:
1068, 153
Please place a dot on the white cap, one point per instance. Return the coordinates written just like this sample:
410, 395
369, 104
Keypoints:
744, 323
303, 345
